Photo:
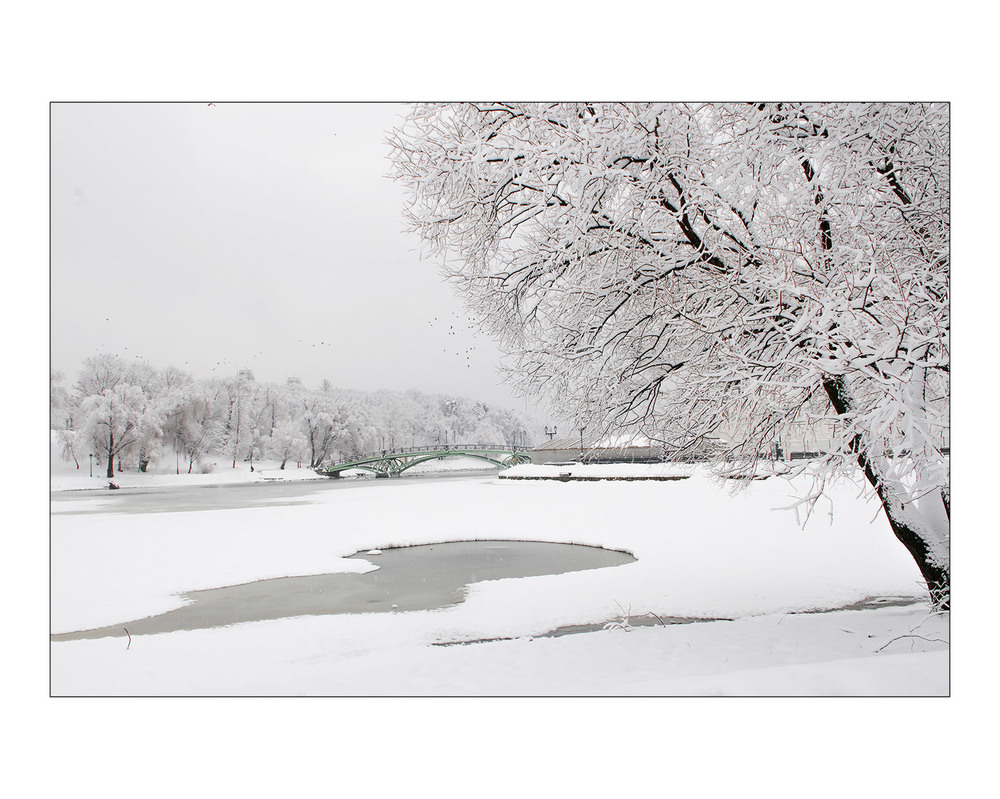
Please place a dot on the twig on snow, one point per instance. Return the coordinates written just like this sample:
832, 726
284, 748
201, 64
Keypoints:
921, 637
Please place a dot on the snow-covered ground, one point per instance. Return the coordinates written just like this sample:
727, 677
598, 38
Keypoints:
65, 477
701, 552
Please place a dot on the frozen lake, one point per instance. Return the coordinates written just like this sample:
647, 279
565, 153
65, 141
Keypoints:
224, 496
276, 589
408, 578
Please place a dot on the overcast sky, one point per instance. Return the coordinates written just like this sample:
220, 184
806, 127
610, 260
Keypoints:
262, 236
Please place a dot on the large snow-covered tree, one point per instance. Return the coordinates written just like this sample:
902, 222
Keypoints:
689, 270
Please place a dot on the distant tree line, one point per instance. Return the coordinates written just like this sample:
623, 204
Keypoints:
129, 415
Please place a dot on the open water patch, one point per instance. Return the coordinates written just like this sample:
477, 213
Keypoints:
424, 577
656, 620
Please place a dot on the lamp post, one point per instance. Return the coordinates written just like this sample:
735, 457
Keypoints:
91, 464
581, 443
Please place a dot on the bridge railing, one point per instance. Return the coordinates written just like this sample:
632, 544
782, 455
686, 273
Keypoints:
389, 452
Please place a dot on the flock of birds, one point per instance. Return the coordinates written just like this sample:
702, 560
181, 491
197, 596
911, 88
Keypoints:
454, 321
452, 332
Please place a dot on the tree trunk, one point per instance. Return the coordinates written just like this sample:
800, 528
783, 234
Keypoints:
902, 520
111, 457
936, 575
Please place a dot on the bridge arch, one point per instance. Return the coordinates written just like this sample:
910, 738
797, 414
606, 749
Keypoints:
395, 462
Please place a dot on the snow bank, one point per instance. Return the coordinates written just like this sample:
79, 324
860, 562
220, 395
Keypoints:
601, 471
622, 471
65, 477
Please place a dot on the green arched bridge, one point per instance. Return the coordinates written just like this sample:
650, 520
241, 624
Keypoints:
390, 463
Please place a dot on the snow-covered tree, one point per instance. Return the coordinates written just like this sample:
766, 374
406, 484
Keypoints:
240, 432
192, 426
286, 442
688, 270
58, 401
63, 407
149, 433
110, 407
320, 427
149, 425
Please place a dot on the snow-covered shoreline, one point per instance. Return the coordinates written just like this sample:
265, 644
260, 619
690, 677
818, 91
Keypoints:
702, 551
64, 477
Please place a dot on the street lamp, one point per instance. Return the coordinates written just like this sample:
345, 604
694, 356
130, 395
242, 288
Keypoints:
91, 464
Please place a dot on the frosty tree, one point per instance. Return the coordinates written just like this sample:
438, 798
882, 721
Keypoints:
690, 270
110, 405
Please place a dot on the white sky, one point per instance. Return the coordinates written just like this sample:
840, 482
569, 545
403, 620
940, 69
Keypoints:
262, 235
